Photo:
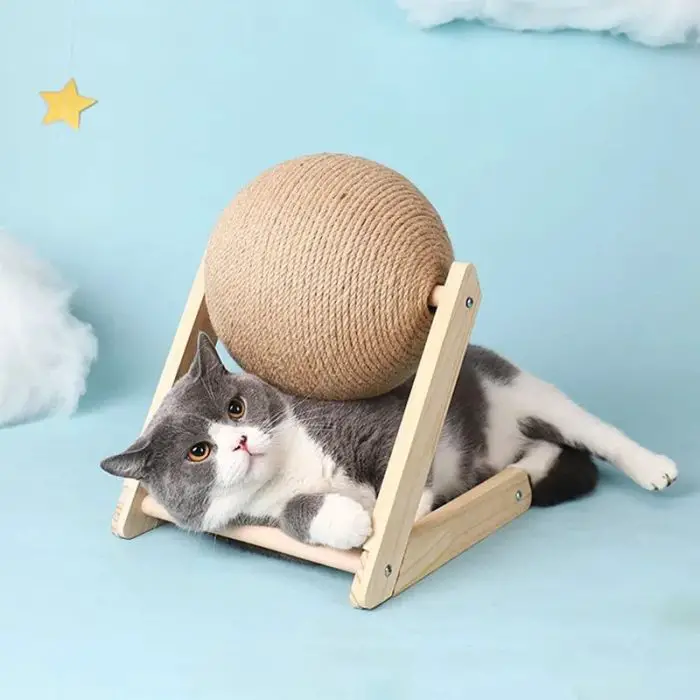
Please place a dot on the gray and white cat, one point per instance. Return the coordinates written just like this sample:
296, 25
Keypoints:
226, 448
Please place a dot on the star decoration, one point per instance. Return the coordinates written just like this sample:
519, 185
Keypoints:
65, 105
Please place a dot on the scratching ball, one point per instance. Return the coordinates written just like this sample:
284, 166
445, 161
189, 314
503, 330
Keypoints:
318, 276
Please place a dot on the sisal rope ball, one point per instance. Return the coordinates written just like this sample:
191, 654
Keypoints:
318, 276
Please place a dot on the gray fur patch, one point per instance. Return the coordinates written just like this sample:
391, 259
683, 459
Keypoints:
359, 435
538, 429
491, 365
299, 513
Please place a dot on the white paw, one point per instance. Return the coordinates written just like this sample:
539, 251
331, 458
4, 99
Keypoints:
341, 523
654, 472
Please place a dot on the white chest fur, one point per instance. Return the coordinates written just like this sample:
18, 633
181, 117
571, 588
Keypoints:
295, 463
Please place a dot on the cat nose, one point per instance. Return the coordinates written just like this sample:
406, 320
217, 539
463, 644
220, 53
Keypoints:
242, 443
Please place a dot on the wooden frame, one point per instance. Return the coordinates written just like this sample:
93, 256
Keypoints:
400, 551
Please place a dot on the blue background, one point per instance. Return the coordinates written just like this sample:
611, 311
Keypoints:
565, 166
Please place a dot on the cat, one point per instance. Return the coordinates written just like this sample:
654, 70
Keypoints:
226, 448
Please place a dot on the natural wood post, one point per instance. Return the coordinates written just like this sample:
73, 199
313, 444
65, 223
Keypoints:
448, 531
129, 520
417, 438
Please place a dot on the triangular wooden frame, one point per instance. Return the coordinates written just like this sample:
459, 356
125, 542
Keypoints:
400, 551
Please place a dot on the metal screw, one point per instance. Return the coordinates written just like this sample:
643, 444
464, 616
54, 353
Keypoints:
470, 302
387, 570
518, 495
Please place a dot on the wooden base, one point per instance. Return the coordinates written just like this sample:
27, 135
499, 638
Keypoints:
400, 551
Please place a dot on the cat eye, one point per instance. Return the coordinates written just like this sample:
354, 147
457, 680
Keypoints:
236, 409
199, 452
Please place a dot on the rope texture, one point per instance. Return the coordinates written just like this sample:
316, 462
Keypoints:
318, 273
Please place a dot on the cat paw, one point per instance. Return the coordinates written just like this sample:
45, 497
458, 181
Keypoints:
655, 472
341, 523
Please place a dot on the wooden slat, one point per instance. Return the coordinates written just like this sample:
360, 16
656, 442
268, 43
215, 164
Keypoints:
274, 539
447, 532
417, 438
129, 519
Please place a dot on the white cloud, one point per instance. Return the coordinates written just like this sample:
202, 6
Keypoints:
45, 352
650, 22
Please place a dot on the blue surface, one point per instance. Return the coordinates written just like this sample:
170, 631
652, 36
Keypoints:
566, 168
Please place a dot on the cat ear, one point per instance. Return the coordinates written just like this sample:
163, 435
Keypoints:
206, 359
131, 463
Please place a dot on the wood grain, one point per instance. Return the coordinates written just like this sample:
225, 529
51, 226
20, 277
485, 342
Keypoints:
417, 438
447, 532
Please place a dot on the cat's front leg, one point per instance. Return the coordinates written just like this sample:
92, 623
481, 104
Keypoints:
330, 519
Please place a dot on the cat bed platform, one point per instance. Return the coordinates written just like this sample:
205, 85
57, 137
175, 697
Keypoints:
400, 551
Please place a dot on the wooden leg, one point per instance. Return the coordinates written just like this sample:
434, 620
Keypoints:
129, 520
461, 523
417, 438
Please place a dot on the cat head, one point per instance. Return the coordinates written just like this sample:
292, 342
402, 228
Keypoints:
213, 434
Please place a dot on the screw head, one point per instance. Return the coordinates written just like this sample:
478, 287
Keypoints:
518, 495
470, 302
387, 570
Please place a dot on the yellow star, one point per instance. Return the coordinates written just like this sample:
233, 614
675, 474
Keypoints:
65, 105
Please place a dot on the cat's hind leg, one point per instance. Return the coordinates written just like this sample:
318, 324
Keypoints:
545, 413
425, 505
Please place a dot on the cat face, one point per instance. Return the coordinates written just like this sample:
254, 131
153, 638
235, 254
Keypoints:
215, 433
